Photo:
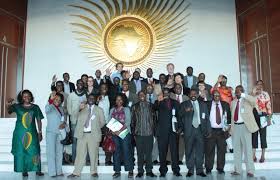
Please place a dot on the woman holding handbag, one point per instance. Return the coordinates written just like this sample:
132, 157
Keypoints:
263, 110
55, 126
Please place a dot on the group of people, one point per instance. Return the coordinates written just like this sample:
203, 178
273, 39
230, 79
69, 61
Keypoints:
166, 119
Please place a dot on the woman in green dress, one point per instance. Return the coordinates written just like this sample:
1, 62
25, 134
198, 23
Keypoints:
26, 137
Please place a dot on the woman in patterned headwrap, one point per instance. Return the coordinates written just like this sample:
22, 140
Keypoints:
26, 137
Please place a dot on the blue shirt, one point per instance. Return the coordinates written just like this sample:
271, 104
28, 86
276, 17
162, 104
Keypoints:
138, 85
190, 81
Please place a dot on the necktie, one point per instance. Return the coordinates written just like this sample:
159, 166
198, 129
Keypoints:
89, 116
236, 112
218, 115
150, 98
178, 98
195, 122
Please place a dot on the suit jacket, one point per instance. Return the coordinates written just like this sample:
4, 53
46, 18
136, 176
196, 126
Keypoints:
154, 81
53, 118
96, 85
186, 118
133, 98
226, 109
164, 120
132, 86
96, 124
186, 80
248, 103
174, 97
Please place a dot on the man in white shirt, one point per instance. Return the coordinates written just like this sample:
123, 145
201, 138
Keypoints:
220, 116
243, 124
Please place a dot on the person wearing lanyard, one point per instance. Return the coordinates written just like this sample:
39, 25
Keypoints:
88, 133
219, 112
243, 125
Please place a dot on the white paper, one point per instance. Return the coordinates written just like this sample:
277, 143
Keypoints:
114, 125
174, 122
130, 104
263, 120
242, 110
173, 112
92, 117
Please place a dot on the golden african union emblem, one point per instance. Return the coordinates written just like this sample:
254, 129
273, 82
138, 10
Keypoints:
137, 33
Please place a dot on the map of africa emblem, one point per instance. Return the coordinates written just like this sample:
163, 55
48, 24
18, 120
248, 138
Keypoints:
137, 33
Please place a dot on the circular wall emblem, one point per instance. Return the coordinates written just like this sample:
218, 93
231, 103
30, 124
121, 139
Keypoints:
128, 39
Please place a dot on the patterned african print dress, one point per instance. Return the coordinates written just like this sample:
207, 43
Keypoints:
25, 146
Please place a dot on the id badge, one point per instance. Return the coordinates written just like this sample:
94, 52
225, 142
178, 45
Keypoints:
203, 115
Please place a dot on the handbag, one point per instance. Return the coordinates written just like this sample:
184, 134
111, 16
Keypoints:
68, 139
108, 144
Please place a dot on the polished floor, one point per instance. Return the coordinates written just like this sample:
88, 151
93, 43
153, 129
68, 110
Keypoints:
264, 171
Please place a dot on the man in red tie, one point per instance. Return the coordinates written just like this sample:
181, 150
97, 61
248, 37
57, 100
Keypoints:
220, 116
243, 125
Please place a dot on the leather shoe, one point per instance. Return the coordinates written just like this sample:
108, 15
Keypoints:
177, 174
235, 173
201, 174
250, 174
221, 171
208, 171
39, 174
72, 176
139, 175
116, 174
189, 174
130, 174
94, 175
151, 174
25, 174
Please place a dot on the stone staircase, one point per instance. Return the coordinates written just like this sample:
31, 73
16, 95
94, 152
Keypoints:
6, 158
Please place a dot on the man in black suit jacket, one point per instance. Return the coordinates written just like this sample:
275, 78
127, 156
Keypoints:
219, 111
136, 82
194, 121
131, 97
68, 86
98, 80
150, 79
165, 134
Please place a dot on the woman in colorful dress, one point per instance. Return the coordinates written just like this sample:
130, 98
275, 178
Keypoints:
26, 137
263, 109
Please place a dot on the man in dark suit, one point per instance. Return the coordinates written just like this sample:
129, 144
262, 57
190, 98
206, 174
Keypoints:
136, 84
190, 79
219, 112
178, 96
150, 79
98, 80
68, 86
167, 108
194, 121
131, 97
